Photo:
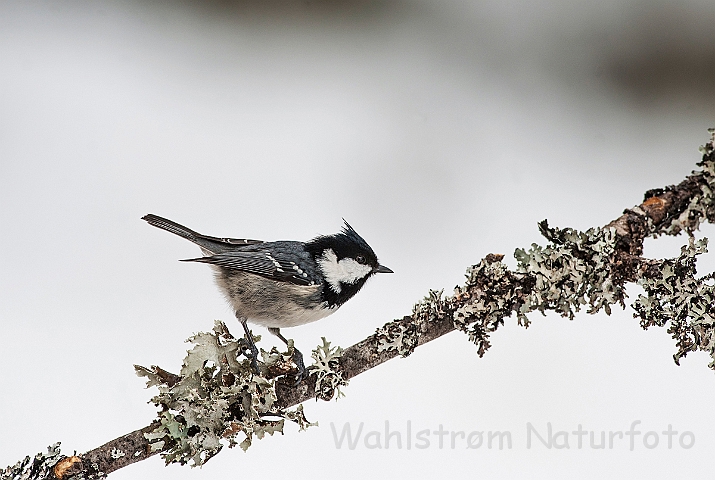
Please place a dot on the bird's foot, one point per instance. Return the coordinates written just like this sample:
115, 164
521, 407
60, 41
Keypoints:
249, 345
250, 351
297, 359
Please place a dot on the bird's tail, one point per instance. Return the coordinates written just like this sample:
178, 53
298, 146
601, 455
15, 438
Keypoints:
210, 244
172, 227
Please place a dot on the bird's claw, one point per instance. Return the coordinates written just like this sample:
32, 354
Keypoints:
250, 351
302, 372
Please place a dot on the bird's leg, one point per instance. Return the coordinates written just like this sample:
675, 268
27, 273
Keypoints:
297, 356
251, 344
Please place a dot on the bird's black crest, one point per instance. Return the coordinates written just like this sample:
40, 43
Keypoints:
350, 233
347, 243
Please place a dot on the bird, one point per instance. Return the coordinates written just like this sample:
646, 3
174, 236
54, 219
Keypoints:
284, 283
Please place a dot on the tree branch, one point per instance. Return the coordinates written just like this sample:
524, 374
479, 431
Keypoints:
669, 210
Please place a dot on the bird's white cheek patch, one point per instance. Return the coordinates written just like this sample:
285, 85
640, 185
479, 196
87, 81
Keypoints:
346, 270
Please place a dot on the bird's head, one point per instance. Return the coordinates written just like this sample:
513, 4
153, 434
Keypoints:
346, 262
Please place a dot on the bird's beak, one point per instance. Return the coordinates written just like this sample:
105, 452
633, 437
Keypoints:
382, 269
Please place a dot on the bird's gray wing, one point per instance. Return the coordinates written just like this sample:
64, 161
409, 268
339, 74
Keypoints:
259, 263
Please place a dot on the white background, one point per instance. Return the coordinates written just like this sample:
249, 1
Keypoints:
442, 131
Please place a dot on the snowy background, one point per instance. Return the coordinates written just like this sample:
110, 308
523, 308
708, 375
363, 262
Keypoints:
442, 131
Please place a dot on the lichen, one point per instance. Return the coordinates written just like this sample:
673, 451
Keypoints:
675, 297
578, 270
115, 453
326, 363
573, 271
701, 207
581, 269
400, 335
37, 467
491, 293
217, 400
431, 308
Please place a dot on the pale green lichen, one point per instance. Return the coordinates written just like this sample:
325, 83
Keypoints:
433, 307
677, 298
490, 294
578, 269
581, 270
572, 272
400, 335
216, 399
34, 468
674, 296
326, 363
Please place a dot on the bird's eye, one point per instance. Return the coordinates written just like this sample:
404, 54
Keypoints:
361, 259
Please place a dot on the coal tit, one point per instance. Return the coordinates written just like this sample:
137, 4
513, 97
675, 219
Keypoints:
285, 283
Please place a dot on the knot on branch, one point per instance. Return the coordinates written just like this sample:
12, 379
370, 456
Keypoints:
690, 203
674, 296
